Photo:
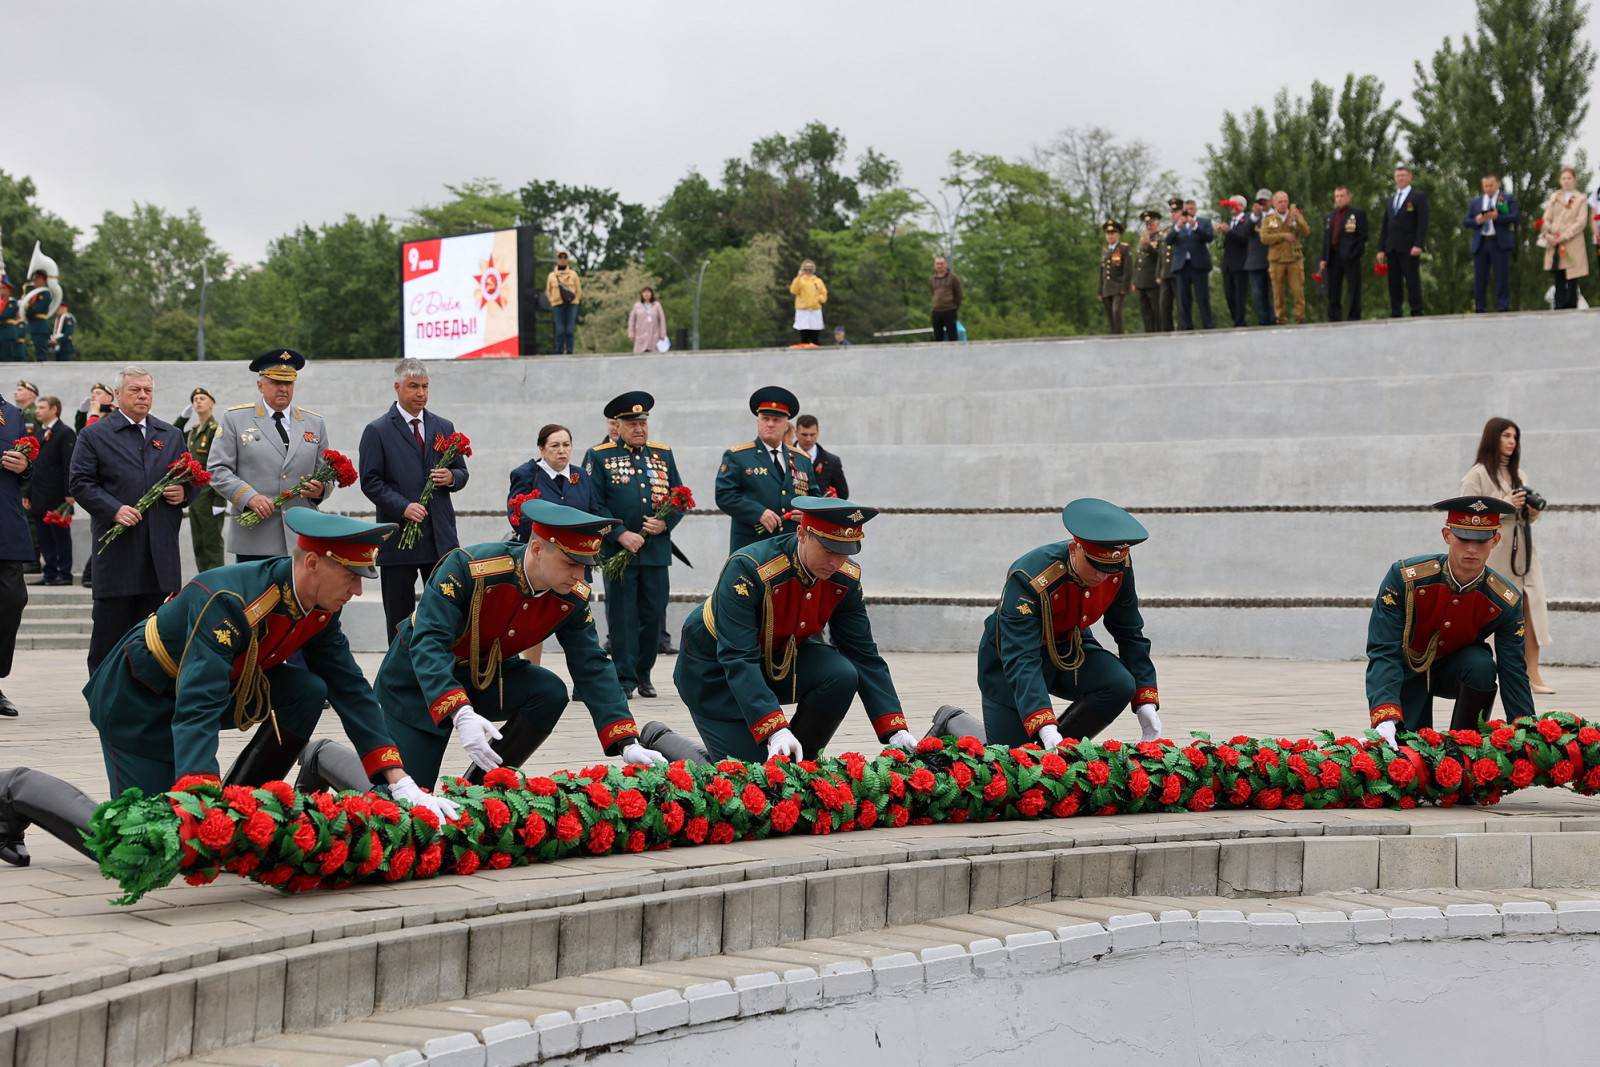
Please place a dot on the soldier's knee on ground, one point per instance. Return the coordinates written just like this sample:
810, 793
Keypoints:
327, 764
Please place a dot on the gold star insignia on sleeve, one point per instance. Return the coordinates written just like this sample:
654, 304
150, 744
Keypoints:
1024, 608
1522, 630
448, 588
1388, 598
224, 636
741, 587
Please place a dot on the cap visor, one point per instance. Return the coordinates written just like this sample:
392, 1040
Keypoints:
365, 572
1108, 568
588, 559
1474, 535
843, 548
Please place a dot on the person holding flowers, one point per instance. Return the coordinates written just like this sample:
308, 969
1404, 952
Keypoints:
48, 499
265, 459
17, 453
1565, 223
634, 480
410, 473
1491, 218
119, 459
253, 646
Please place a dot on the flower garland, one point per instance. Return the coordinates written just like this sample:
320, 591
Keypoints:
300, 842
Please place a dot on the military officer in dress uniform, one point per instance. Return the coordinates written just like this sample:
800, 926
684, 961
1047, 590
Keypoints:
1116, 274
1431, 622
454, 664
1037, 642
1145, 279
213, 658
263, 449
755, 644
1167, 298
205, 521
632, 478
760, 479
12, 323
38, 312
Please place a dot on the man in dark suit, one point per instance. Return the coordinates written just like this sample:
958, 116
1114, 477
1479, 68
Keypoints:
1235, 251
16, 544
1492, 219
830, 471
1191, 264
396, 458
1402, 237
47, 491
1344, 242
116, 460
1255, 260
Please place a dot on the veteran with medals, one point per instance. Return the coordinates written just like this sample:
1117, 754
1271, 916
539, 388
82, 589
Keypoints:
755, 645
1037, 642
251, 646
1430, 627
758, 480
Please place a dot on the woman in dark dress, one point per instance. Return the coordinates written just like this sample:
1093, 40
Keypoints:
557, 478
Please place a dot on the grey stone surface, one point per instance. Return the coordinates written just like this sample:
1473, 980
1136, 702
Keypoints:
659, 1011
990, 957
1325, 929
558, 1033
845, 978
511, 951
760, 993
1337, 864
1222, 926
595, 937
946, 963
1274, 928
1529, 917
1003, 881
1178, 926
1565, 859
678, 926
1493, 861
802, 988
1260, 866
1416, 862
1133, 931
1578, 916
898, 970
928, 889
1177, 869
1422, 923
1035, 952
605, 1023
1083, 941
509, 1044
456, 1050
1097, 871
1472, 920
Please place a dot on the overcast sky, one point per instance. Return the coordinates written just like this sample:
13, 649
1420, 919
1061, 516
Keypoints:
267, 115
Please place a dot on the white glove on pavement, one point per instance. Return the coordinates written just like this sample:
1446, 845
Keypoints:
904, 740
1049, 736
475, 732
785, 743
410, 792
635, 753
1149, 722
1386, 731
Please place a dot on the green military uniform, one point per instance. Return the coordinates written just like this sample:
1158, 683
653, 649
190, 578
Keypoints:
755, 644
205, 521
1167, 297
235, 649
1037, 642
1428, 634
12, 324
629, 485
460, 647
1147, 257
1116, 275
750, 481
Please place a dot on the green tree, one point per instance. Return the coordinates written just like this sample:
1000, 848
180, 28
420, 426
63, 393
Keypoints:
1509, 101
1307, 147
599, 229
476, 205
877, 269
1118, 178
343, 281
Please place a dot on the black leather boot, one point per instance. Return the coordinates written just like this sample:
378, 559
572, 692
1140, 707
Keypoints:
29, 797
327, 764
519, 739
265, 759
674, 746
951, 721
1082, 723
1472, 707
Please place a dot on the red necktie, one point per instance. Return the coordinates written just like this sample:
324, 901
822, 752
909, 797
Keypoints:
416, 431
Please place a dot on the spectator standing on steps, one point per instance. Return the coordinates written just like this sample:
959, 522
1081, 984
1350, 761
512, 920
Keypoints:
1566, 255
809, 294
564, 290
945, 287
1283, 230
1402, 238
647, 322
1344, 246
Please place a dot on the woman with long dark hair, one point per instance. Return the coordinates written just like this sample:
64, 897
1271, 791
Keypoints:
1498, 473
557, 478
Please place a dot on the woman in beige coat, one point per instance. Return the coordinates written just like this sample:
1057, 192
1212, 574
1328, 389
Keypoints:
1566, 253
1498, 473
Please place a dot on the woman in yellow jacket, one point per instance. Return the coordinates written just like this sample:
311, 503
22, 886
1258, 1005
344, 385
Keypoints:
809, 296
564, 291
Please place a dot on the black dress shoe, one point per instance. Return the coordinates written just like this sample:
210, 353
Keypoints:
7, 709
14, 852
647, 689
32, 568
627, 692
87, 584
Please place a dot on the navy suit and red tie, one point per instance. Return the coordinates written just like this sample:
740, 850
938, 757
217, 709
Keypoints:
1493, 238
396, 458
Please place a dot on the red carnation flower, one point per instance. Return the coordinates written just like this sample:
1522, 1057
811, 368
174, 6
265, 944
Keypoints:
1066, 807
680, 778
1203, 799
775, 775
1265, 758
426, 817
502, 778
867, 814
195, 781
1588, 735
387, 810
1467, 738
1485, 770
720, 789
929, 744
499, 860
598, 795
1098, 772
1023, 758
1400, 771
283, 791
334, 857
922, 780
897, 785
1294, 802
1138, 781
753, 799
201, 877
1112, 745
1330, 774
542, 787
1430, 735
1268, 799
305, 836
1149, 749
731, 766
695, 829
602, 835
240, 799
467, 862
899, 815
243, 865
278, 875
970, 745
1228, 755
1052, 765
28, 446
785, 813
1550, 730
496, 812
961, 774
1503, 737
1522, 773
429, 862
1171, 789
1372, 800
1196, 758
374, 855
1448, 773
327, 806
1364, 765
1299, 767
996, 787
672, 816
855, 765
721, 833
1561, 773
533, 830
635, 842
1240, 793
259, 829
569, 827
1031, 803
632, 804
400, 863
1591, 780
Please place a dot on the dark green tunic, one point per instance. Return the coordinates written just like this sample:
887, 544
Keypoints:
747, 485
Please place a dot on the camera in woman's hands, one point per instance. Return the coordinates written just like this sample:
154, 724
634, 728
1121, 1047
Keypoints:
1532, 499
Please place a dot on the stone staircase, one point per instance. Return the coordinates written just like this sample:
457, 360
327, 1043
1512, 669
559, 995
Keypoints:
57, 617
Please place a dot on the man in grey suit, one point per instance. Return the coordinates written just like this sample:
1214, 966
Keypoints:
264, 449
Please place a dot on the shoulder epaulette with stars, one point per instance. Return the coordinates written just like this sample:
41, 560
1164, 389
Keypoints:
1502, 589
240, 407
742, 448
603, 446
658, 444
1426, 569
1048, 576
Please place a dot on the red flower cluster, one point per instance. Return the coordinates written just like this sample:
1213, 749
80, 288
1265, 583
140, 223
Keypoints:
27, 445
514, 506
61, 516
681, 499
340, 468
301, 842
188, 469
451, 446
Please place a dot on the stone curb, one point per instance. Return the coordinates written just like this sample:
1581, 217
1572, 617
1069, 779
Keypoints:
346, 970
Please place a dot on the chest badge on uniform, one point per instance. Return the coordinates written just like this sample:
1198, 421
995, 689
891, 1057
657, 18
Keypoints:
310, 438
158, 444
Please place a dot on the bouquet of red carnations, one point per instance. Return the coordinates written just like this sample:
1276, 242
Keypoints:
332, 467
185, 470
680, 499
447, 449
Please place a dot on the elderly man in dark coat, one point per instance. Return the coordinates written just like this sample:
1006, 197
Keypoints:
116, 459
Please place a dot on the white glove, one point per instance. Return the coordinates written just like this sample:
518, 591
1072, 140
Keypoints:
410, 792
1386, 731
635, 753
785, 743
1049, 736
1149, 722
475, 732
188, 412
904, 740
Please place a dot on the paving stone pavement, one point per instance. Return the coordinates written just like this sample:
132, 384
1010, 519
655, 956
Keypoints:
55, 918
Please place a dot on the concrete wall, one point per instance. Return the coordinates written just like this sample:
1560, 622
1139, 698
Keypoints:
1377, 414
